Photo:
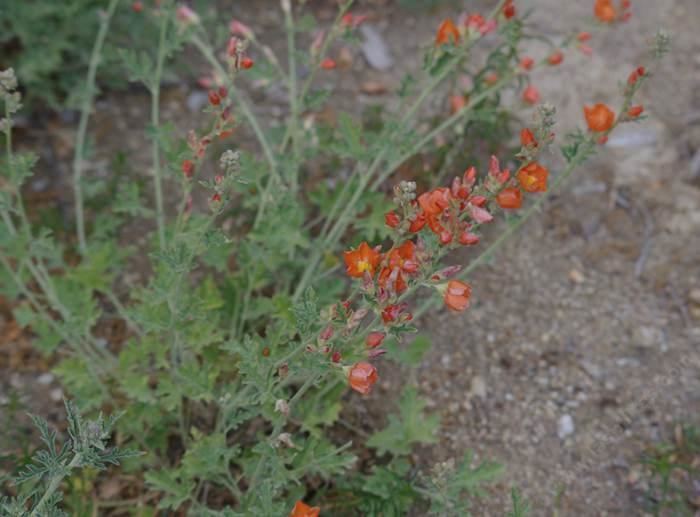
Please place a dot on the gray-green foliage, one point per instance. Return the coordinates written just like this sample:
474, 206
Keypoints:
86, 447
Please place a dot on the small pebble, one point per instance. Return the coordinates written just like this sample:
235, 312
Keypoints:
45, 378
565, 427
478, 387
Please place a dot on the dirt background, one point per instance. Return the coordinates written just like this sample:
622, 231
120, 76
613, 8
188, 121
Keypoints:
582, 347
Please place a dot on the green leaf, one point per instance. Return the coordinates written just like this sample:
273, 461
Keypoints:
306, 312
410, 427
208, 457
351, 133
387, 492
94, 271
169, 482
320, 409
128, 201
321, 458
411, 354
453, 488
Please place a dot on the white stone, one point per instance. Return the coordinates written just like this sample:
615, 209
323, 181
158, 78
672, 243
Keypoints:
565, 427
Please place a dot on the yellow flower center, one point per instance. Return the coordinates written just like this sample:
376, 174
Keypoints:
363, 266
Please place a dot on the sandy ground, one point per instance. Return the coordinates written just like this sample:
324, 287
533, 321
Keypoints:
582, 345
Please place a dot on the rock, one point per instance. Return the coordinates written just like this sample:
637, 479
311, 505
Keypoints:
345, 58
56, 394
694, 296
374, 48
647, 337
373, 88
576, 276
196, 101
478, 387
45, 379
635, 137
593, 370
565, 426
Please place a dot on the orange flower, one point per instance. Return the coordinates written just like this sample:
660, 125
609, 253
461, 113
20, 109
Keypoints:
434, 202
600, 118
527, 139
447, 30
531, 95
328, 64
583, 36
457, 295
361, 377
417, 223
510, 197
401, 260
556, 58
361, 260
304, 510
635, 111
605, 11
533, 177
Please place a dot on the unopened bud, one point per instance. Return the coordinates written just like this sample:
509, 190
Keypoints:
281, 406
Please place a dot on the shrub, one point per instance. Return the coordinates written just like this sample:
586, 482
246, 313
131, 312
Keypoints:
244, 338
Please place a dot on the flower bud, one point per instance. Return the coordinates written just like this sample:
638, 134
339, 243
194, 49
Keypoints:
392, 219
374, 339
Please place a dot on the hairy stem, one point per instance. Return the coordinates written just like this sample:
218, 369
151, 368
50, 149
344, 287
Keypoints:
85, 108
155, 122
53, 485
293, 98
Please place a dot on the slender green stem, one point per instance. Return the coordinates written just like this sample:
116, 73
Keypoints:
327, 41
155, 123
114, 300
53, 485
293, 97
86, 107
8, 150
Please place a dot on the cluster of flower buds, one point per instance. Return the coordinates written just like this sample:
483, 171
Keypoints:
582, 43
230, 164
223, 127
236, 53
